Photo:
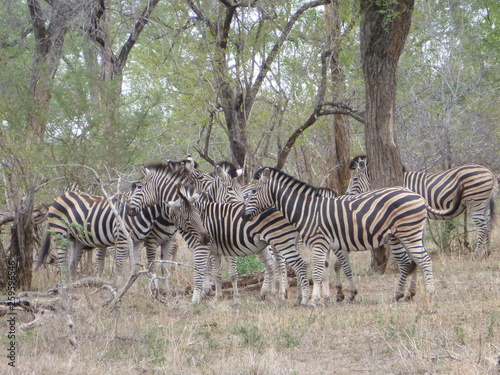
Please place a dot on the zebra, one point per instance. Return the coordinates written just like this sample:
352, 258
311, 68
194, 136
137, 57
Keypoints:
233, 235
162, 235
479, 187
80, 221
230, 234
366, 221
222, 187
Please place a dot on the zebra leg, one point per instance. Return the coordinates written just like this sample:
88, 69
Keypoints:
151, 248
338, 281
77, 250
168, 251
404, 264
215, 263
300, 268
233, 276
418, 253
99, 260
343, 259
283, 278
481, 220
201, 259
121, 254
412, 289
318, 260
63, 253
269, 285
325, 282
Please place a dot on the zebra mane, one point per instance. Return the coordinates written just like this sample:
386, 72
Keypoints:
355, 160
287, 179
228, 168
170, 168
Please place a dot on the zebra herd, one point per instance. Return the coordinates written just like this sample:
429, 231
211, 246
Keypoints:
275, 216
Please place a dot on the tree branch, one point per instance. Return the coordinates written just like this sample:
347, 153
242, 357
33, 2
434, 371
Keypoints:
139, 26
266, 65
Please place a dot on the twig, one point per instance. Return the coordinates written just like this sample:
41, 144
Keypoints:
34, 323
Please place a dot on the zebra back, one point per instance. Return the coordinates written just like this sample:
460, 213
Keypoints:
475, 183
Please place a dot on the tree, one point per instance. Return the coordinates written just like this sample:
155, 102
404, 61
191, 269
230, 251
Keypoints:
385, 26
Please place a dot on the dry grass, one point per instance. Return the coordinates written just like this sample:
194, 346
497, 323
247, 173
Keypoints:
456, 333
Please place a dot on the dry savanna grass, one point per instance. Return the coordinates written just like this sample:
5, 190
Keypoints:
455, 333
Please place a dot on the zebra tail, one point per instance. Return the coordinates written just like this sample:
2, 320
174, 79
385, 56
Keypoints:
493, 216
457, 201
44, 251
494, 192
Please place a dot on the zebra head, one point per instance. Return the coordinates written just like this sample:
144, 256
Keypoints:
359, 182
200, 180
259, 198
225, 187
140, 196
157, 186
185, 214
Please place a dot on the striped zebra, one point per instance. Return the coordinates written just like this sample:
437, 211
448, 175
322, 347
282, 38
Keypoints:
80, 221
477, 184
162, 235
348, 223
231, 235
222, 187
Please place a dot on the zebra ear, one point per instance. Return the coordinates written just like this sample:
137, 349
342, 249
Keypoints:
239, 172
174, 204
219, 172
189, 164
194, 197
146, 173
265, 175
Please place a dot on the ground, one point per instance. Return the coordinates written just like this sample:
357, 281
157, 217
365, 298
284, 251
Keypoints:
455, 333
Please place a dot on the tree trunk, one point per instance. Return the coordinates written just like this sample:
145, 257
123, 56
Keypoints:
340, 138
384, 28
48, 51
21, 243
3, 268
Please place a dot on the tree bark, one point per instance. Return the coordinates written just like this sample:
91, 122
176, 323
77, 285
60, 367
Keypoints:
48, 50
340, 139
384, 29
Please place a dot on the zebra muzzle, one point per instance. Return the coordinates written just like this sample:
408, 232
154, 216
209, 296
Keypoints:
205, 238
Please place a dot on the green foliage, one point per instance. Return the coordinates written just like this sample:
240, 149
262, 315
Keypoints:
249, 264
251, 335
449, 236
387, 8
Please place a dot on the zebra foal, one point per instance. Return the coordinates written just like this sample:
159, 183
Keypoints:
393, 215
474, 185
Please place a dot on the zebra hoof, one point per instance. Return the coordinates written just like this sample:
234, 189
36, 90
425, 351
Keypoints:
397, 297
340, 297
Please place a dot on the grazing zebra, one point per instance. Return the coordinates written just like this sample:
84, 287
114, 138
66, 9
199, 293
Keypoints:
232, 235
223, 187
477, 184
394, 215
82, 222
